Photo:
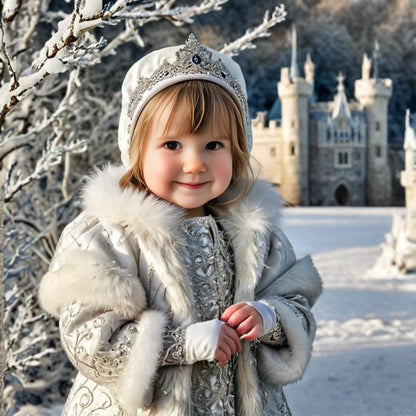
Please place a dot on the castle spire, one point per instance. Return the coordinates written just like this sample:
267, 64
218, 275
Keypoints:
340, 86
376, 55
366, 68
341, 107
294, 70
409, 134
309, 68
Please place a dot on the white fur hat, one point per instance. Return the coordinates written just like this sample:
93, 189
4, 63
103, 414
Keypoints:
162, 68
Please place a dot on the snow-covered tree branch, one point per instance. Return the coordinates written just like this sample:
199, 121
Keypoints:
261, 31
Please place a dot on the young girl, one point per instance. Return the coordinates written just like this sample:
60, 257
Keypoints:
176, 291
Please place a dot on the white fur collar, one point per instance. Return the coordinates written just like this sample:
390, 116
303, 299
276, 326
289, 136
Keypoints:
103, 198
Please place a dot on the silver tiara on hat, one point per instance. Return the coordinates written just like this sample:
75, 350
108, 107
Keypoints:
168, 66
192, 59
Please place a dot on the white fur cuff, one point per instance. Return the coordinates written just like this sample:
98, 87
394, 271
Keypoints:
284, 365
134, 388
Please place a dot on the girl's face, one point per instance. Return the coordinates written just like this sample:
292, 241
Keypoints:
186, 169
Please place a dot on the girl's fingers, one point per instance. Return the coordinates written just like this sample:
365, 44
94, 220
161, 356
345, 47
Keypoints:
235, 339
239, 315
229, 336
230, 310
228, 344
220, 357
245, 320
246, 326
225, 348
252, 334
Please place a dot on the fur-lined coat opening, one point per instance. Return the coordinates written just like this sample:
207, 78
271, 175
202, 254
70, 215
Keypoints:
117, 281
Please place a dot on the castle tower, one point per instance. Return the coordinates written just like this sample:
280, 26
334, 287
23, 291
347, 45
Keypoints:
294, 93
374, 93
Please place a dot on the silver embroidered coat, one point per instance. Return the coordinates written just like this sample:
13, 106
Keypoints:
117, 282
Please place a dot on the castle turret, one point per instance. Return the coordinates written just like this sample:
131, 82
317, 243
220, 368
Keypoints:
294, 93
374, 93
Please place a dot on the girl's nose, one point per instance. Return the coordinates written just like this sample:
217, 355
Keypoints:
193, 163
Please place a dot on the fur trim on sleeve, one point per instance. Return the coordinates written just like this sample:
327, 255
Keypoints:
134, 388
84, 277
284, 365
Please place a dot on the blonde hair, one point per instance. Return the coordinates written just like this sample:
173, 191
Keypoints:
206, 104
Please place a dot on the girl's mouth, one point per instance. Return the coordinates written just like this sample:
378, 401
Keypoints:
192, 185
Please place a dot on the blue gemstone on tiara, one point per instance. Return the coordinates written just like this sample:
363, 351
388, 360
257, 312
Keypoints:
196, 59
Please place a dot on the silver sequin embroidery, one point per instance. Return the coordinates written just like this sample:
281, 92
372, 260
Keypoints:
208, 259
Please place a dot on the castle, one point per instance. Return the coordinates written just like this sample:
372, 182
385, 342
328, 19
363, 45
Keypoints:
327, 153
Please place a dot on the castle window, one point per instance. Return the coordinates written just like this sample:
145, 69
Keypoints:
343, 159
378, 151
273, 152
293, 124
292, 149
378, 128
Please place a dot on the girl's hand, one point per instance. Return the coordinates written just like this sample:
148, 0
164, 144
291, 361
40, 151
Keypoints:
228, 344
245, 319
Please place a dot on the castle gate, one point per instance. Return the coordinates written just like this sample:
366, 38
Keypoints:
342, 195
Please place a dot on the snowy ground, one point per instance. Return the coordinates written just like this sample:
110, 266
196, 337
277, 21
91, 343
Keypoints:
364, 360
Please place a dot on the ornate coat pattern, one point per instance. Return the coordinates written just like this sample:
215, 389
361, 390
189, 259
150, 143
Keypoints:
117, 282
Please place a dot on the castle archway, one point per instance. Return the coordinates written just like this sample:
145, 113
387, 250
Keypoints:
342, 195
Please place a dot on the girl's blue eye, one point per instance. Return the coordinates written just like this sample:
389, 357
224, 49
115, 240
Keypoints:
214, 145
172, 145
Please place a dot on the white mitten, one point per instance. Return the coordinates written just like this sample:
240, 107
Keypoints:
267, 313
201, 340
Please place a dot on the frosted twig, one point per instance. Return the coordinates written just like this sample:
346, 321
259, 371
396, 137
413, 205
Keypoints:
261, 31
5, 56
50, 158
34, 22
10, 10
178, 15
10, 144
